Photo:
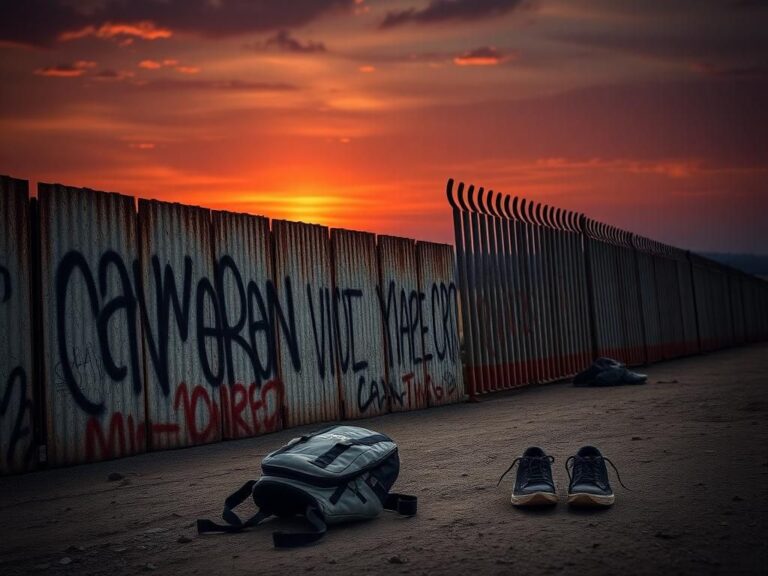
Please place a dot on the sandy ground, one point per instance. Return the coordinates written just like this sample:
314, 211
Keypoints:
692, 445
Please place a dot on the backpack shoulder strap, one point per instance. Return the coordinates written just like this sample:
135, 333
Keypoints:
234, 523
403, 504
296, 539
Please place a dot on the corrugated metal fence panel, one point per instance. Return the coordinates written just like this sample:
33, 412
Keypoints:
704, 300
438, 323
92, 344
584, 343
737, 308
16, 376
668, 288
651, 312
632, 314
307, 357
183, 341
251, 394
399, 287
687, 305
358, 325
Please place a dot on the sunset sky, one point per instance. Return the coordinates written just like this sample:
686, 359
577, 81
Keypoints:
648, 114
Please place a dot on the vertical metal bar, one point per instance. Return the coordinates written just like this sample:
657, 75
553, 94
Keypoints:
462, 250
507, 285
486, 319
590, 294
474, 294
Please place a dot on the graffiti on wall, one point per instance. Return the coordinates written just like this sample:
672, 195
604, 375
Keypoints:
16, 406
173, 326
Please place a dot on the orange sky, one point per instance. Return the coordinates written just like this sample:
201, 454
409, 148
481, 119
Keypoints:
648, 114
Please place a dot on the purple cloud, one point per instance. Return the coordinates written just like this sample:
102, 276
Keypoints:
446, 10
42, 22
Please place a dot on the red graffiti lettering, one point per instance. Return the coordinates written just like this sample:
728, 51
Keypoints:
205, 430
263, 403
123, 438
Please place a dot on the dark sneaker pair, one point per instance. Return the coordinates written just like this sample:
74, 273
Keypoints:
587, 474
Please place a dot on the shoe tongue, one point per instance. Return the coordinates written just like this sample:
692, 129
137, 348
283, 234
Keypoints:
534, 452
589, 451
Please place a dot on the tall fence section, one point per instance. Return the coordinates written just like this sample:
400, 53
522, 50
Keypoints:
543, 291
133, 326
127, 327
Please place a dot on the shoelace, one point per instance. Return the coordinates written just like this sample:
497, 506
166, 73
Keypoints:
535, 470
588, 472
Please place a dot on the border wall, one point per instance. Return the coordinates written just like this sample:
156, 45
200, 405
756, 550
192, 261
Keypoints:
544, 291
134, 326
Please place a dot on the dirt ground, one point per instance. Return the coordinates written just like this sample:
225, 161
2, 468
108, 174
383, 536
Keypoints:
692, 445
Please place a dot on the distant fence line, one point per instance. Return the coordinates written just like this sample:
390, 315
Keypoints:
125, 330
543, 291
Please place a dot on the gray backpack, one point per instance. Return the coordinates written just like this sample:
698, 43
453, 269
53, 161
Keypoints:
334, 475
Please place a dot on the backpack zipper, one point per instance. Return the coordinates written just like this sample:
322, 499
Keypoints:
291, 474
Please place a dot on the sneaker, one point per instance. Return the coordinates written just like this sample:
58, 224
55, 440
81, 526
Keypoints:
588, 478
534, 485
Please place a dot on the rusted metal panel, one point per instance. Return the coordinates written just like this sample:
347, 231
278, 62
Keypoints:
91, 339
358, 327
16, 376
401, 306
438, 323
251, 393
307, 345
183, 337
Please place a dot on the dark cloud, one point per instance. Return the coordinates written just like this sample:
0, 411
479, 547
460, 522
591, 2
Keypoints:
284, 42
742, 47
42, 22
112, 75
485, 56
223, 85
74, 70
445, 10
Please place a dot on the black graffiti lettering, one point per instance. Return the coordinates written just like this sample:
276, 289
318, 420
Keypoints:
350, 294
287, 326
260, 325
405, 329
449, 317
386, 311
204, 332
69, 263
19, 431
342, 345
127, 303
166, 295
326, 333
424, 329
369, 393
395, 397
413, 312
231, 333
436, 295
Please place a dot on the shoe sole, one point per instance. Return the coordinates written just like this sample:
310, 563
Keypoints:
535, 499
584, 500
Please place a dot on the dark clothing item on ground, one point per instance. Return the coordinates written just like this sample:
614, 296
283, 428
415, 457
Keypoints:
608, 372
